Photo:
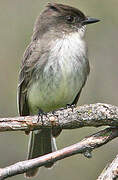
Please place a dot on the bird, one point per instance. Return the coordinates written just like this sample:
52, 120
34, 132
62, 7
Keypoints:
53, 71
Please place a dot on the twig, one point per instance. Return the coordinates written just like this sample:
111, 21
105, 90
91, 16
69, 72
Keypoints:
85, 146
88, 115
111, 171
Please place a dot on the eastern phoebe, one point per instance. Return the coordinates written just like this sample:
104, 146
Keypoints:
54, 70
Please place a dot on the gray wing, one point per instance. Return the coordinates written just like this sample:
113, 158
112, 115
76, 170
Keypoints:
30, 58
87, 71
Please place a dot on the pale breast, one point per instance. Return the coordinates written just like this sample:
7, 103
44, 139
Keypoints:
62, 77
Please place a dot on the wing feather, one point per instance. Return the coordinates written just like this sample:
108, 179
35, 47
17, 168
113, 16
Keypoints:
29, 60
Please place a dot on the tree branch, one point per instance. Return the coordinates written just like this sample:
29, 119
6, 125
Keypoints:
88, 115
86, 146
111, 171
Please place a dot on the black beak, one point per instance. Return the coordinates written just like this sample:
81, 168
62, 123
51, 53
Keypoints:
90, 20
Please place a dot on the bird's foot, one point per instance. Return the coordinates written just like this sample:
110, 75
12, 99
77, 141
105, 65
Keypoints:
72, 106
41, 113
53, 112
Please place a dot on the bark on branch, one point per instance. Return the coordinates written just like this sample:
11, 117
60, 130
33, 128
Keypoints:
86, 146
88, 115
111, 171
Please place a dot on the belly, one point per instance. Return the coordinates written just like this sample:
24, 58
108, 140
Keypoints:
55, 88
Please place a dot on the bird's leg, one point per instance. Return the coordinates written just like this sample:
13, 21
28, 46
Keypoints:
41, 113
53, 112
72, 106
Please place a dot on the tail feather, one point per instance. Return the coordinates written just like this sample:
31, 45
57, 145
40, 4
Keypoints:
41, 143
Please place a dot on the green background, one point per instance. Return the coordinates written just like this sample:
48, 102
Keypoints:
16, 23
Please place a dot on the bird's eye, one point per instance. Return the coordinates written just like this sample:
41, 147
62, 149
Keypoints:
70, 19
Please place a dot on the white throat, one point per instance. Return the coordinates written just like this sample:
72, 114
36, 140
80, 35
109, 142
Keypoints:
71, 46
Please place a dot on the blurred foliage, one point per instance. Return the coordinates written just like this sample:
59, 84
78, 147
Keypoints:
17, 18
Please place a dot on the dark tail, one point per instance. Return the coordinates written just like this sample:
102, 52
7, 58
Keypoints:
41, 142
